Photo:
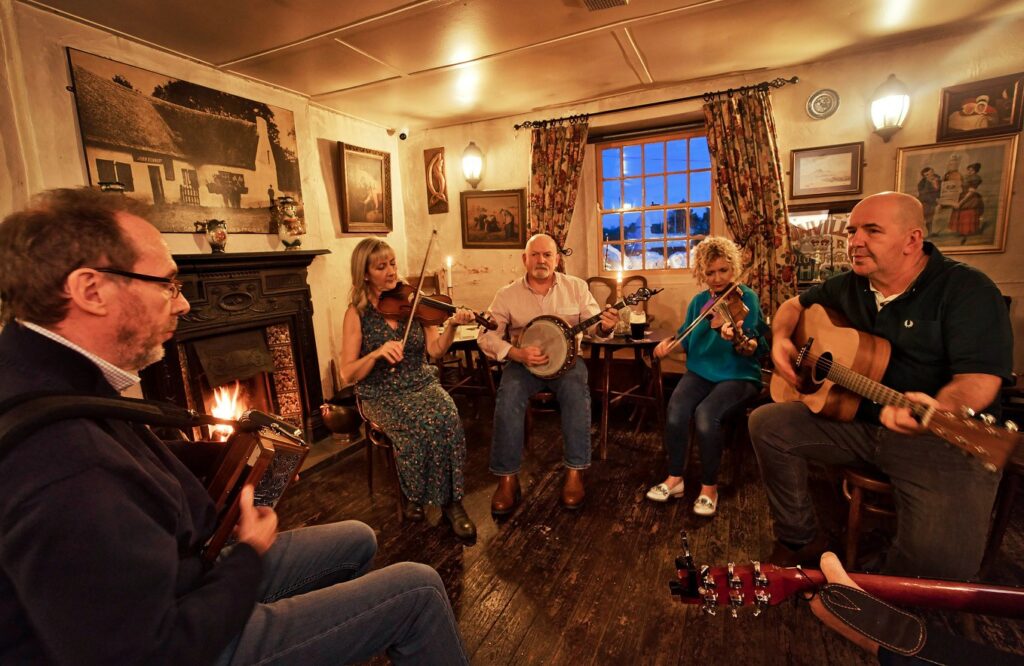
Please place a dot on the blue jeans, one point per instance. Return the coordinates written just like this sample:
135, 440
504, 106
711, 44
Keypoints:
943, 497
708, 404
517, 385
320, 604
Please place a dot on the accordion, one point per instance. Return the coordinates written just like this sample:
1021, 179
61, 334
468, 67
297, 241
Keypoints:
268, 459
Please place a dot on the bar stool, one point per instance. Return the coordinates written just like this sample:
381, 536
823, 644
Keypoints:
856, 484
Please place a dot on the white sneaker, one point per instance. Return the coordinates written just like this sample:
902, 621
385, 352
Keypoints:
705, 506
662, 493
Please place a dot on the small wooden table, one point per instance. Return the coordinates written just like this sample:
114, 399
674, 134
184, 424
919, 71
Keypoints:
645, 393
477, 375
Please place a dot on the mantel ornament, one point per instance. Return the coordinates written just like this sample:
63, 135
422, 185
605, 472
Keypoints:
290, 224
216, 232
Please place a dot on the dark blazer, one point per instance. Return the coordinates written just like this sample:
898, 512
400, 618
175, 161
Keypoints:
100, 531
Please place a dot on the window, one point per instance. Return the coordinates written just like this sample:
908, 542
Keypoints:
656, 200
115, 172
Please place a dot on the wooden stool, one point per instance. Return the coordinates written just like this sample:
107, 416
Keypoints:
380, 441
855, 483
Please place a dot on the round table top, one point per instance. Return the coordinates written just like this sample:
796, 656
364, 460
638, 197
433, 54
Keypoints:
651, 339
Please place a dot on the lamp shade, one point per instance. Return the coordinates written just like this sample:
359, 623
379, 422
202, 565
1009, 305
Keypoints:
889, 107
472, 164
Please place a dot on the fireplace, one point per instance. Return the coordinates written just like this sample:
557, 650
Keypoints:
250, 330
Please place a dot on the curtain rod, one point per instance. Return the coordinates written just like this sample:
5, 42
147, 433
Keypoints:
707, 97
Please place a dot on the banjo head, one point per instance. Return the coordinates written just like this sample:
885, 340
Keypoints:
551, 335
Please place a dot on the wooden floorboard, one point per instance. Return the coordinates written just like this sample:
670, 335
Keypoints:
552, 586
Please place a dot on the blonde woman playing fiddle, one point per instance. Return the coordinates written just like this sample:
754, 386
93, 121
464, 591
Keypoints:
720, 375
400, 391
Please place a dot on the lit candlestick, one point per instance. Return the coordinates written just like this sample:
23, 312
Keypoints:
449, 272
618, 284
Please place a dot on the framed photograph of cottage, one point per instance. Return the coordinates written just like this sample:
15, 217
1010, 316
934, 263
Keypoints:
981, 108
824, 171
365, 187
493, 219
193, 152
964, 188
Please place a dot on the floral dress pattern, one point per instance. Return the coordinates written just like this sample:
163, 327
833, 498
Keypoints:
409, 404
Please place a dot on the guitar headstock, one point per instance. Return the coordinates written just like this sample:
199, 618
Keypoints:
758, 585
640, 295
980, 437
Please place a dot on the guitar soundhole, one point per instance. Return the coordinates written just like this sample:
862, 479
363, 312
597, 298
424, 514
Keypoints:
821, 367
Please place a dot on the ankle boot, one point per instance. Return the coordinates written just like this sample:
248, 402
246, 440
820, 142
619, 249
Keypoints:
506, 495
572, 489
413, 511
462, 526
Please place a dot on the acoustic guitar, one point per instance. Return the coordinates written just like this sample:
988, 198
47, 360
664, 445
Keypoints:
838, 365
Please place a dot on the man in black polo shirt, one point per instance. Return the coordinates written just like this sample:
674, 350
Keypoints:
951, 339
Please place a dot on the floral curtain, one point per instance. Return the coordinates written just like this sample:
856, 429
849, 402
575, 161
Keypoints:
556, 163
748, 180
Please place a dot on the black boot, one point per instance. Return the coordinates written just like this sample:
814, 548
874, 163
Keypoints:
413, 511
462, 526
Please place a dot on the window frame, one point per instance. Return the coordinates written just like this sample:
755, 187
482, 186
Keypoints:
642, 140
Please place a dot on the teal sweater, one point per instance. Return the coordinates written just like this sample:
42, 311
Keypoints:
713, 358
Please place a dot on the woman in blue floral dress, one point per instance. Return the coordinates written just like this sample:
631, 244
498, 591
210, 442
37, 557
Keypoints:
400, 391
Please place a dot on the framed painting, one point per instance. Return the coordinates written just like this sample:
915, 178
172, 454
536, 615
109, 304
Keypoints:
982, 108
965, 191
193, 152
817, 172
365, 187
493, 219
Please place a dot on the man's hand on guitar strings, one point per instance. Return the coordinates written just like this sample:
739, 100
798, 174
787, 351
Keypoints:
257, 525
901, 419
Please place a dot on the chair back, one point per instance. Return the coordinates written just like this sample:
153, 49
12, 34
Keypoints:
431, 285
603, 289
631, 284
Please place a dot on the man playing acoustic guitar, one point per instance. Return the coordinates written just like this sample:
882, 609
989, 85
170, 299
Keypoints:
950, 335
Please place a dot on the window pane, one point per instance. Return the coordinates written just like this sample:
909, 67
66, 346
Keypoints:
105, 171
700, 221
677, 257
655, 190
677, 188
612, 257
612, 195
654, 157
699, 156
655, 255
631, 164
631, 226
634, 257
611, 161
610, 227
676, 155
124, 176
677, 222
654, 223
633, 193
700, 186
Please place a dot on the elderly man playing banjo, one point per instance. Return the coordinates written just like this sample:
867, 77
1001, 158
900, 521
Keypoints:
542, 359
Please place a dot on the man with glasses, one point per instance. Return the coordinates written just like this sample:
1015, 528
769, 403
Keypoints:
101, 526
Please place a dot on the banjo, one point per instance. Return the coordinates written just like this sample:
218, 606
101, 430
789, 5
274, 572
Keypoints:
558, 340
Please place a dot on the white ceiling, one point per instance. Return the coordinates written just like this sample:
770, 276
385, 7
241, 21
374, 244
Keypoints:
432, 63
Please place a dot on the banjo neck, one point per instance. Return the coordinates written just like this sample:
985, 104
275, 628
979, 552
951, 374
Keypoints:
587, 323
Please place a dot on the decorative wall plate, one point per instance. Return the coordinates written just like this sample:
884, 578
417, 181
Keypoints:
822, 103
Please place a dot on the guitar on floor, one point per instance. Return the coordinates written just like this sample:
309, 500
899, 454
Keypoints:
838, 365
763, 585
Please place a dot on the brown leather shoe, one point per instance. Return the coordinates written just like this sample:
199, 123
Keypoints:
413, 511
461, 524
808, 555
506, 495
572, 489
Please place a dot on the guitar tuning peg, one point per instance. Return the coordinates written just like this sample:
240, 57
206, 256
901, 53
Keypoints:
1010, 426
988, 418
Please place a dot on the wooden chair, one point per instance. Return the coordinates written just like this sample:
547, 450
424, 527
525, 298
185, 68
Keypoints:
869, 493
380, 441
431, 285
542, 402
603, 289
631, 284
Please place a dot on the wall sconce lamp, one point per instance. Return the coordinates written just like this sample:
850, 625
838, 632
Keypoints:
472, 164
889, 106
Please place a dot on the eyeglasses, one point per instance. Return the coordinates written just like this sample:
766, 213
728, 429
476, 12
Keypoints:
173, 286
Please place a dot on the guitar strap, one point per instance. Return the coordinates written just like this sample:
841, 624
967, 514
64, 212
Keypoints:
871, 617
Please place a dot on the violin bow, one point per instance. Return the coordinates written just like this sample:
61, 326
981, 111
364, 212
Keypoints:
416, 298
678, 339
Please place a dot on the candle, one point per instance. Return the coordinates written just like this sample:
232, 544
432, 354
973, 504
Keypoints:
449, 272
618, 279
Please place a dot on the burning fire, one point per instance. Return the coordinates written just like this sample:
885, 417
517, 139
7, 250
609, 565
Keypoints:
226, 405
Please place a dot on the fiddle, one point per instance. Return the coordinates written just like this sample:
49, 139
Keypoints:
398, 304
729, 308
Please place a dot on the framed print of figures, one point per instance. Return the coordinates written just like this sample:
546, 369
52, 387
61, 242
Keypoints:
365, 187
965, 190
193, 152
494, 218
981, 108
818, 172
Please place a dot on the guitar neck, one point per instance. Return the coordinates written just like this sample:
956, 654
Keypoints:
865, 387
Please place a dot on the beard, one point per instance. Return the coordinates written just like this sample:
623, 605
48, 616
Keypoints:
139, 342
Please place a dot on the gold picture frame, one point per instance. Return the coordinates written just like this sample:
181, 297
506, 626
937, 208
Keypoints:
364, 181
